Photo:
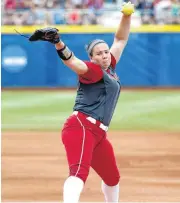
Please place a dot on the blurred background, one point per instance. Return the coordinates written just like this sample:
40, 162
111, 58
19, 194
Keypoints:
87, 12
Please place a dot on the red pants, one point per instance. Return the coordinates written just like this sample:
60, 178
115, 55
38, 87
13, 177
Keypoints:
87, 145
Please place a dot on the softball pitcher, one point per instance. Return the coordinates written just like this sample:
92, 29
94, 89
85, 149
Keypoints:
84, 133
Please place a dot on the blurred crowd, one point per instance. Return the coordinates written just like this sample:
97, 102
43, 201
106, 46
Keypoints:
84, 12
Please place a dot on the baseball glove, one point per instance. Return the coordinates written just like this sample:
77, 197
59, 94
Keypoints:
45, 34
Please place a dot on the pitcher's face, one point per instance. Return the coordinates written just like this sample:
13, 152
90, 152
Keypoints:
101, 55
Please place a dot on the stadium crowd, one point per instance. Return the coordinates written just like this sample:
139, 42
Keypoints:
87, 12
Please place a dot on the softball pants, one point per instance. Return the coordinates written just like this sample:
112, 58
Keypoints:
86, 146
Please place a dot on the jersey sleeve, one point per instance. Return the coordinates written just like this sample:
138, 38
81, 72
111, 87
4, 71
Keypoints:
93, 75
113, 61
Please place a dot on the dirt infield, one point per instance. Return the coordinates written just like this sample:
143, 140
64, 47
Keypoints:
34, 167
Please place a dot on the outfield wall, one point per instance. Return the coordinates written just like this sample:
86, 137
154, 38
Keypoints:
151, 57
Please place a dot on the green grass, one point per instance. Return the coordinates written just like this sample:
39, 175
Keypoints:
47, 110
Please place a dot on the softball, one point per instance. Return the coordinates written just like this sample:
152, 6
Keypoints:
128, 8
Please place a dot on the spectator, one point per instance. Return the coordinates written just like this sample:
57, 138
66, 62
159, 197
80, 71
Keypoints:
73, 17
8, 20
175, 12
89, 18
97, 4
104, 12
163, 12
19, 18
10, 4
146, 8
58, 16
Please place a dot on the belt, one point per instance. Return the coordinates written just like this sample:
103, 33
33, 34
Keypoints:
94, 121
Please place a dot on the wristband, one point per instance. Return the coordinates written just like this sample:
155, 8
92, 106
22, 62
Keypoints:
65, 53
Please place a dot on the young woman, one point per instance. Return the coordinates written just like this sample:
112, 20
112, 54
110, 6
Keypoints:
84, 133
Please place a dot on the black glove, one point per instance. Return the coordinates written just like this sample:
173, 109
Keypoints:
45, 34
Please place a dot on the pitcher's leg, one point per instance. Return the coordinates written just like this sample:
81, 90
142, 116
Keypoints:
79, 144
111, 193
104, 163
73, 187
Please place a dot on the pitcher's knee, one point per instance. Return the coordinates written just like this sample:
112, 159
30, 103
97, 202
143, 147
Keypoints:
112, 180
80, 171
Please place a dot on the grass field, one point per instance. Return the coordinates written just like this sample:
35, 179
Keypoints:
47, 110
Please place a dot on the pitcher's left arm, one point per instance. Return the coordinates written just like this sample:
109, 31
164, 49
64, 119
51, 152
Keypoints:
123, 30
